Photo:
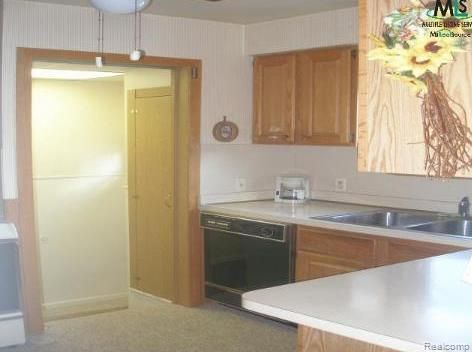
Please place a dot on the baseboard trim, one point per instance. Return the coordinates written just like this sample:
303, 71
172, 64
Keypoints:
139, 296
86, 306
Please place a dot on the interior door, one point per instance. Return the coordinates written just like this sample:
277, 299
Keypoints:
151, 180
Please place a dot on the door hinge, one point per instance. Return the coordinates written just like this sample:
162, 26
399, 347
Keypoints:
194, 72
354, 53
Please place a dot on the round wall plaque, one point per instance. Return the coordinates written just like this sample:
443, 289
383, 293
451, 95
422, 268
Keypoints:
225, 131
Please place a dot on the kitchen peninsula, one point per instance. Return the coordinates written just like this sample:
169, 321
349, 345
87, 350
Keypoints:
423, 305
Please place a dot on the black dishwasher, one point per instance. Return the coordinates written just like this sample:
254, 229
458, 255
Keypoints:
243, 255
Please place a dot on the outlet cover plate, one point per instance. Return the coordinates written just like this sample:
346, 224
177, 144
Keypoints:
341, 185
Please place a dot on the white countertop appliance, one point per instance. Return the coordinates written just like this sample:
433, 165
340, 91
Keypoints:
292, 189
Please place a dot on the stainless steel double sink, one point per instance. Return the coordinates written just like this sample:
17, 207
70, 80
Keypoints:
441, 224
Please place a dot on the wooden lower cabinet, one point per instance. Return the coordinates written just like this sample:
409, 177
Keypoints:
395, 251
312, 340
313, 266
324, 252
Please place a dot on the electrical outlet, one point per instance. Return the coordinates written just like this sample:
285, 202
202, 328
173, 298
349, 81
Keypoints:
241, 184
341, 185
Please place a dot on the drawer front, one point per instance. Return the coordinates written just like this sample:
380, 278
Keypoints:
356, 249
311, 266
400, 251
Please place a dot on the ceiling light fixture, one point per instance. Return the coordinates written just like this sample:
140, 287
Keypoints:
120, 6
45, 73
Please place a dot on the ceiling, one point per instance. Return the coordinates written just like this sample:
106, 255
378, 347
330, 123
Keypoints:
233, 11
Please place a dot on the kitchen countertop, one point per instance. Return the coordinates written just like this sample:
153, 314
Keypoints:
402, 306
8, 232
300, 214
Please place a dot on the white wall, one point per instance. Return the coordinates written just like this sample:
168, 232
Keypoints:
304, 32
226, 71
80, 202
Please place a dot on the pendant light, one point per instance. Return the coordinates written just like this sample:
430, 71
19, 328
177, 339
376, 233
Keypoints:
137, 53
120, 6
100, 40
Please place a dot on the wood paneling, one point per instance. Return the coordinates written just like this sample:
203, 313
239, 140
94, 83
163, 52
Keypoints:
390, 130
312, 340
274, 99
188, 246
325, 109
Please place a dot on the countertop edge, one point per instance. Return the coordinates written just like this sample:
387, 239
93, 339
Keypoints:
333, 328
466, 243
8, 232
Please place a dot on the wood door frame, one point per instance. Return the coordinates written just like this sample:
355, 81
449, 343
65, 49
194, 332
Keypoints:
20, 211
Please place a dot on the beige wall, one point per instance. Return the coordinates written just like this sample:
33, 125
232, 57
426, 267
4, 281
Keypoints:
141, 78
78, 170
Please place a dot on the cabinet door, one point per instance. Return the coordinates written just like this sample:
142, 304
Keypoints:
274, 99
357, 249
310, 266
400, 251
326, 97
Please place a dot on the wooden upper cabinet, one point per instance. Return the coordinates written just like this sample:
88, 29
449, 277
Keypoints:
274, 99
326, 97
307, 97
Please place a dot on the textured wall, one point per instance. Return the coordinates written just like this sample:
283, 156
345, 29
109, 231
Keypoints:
305, 32
226, 72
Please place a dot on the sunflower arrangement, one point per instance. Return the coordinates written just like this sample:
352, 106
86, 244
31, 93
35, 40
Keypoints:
414, 53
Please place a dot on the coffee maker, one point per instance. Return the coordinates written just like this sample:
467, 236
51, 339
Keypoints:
292, 189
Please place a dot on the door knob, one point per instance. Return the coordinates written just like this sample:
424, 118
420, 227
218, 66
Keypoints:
169, 201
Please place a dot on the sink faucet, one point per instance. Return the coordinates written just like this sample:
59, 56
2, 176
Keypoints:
464, 207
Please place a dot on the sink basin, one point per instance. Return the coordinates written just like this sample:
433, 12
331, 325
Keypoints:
384, 218
456, 227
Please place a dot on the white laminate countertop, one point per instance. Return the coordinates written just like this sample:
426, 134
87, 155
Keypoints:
402, 306
8, 232
300, 214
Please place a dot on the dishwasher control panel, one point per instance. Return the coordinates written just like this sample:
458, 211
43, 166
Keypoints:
245, 227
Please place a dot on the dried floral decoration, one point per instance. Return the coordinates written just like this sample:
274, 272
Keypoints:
412, 54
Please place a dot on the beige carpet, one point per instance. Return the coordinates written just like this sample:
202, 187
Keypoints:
163, 327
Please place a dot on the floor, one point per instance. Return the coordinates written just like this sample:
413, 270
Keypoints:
163, 327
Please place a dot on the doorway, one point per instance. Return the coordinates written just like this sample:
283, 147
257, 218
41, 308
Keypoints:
81, 184
187, 240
